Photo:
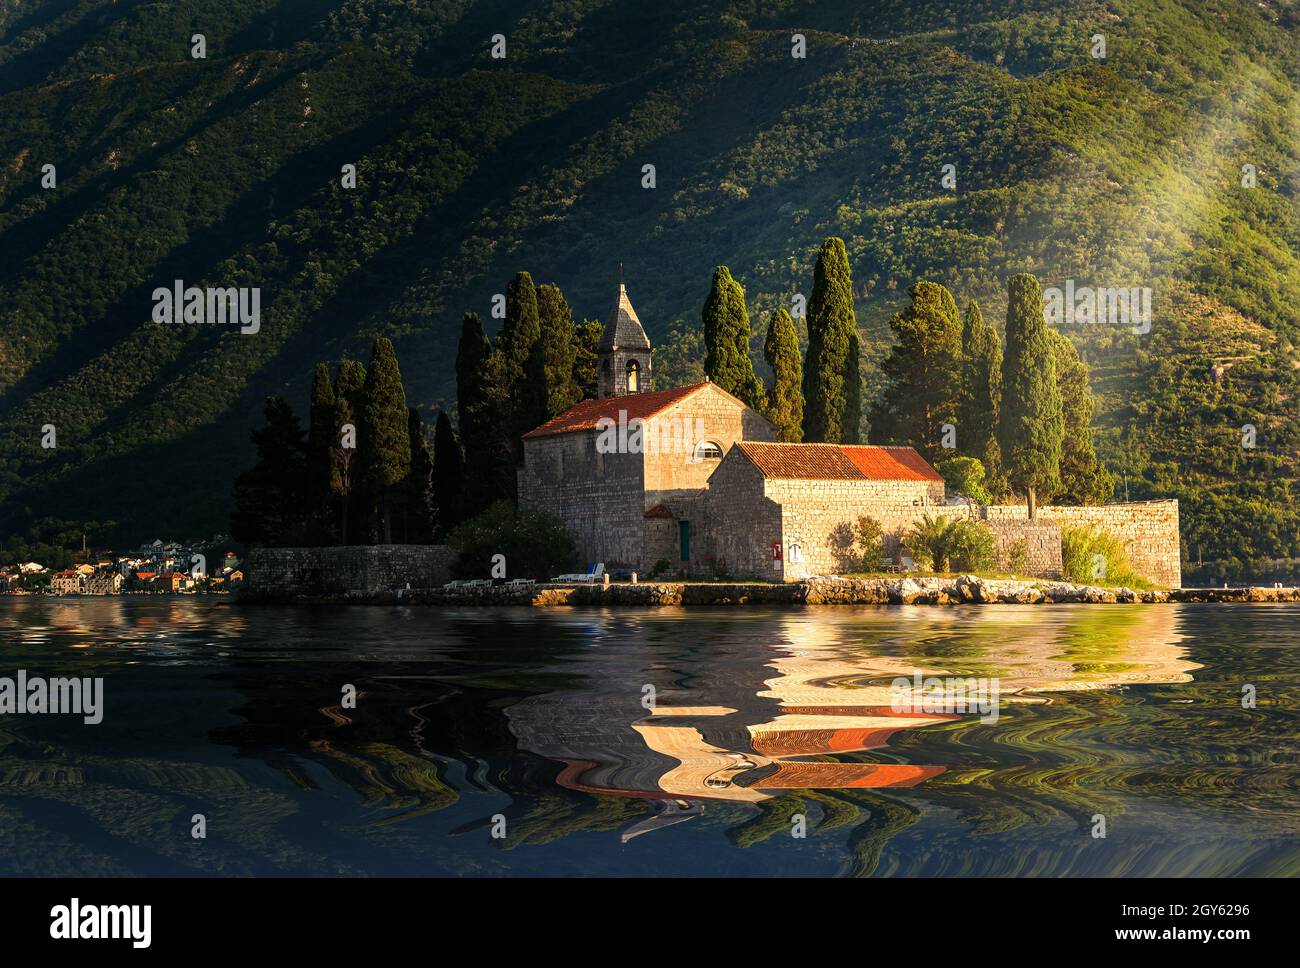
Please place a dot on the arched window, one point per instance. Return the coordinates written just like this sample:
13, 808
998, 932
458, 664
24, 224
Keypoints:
707, 450
633, 376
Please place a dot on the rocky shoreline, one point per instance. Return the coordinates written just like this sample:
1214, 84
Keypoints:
958, 590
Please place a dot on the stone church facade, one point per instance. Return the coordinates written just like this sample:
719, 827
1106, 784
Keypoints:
691, 481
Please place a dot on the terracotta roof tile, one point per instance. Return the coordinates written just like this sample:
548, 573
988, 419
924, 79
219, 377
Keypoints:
585, 415
838, 462
891, 463
660, 510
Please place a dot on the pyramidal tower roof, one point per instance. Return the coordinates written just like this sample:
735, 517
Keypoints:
623, 330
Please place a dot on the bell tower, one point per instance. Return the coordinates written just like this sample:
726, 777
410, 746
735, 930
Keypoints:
624, 351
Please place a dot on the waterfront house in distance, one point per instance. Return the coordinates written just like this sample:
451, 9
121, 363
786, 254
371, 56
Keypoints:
69, 582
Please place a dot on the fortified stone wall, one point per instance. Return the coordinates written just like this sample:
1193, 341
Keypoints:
1148, 530
279, 573
599, 497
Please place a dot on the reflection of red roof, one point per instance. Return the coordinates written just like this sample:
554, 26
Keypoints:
839, 776
637, 406
838, 462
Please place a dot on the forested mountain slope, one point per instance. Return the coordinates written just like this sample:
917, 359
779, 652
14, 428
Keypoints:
1123, 171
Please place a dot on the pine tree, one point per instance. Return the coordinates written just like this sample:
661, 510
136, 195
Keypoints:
923, 371
419, 483
726, 341
1084, 480
558, 342
832, 328
785, 402
586, 359
1031, 425
981, 391
320, 443
271, 498
349, 392
384, 444
481, 405
448, 476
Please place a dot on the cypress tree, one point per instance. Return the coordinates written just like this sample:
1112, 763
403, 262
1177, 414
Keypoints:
517, 348
419, 483
271, 497
558, 342
384, 445
851, 432
448, 475
349, 392
832, 328
726, 341
1031, 425
320, 445
586, 359
785, 402
1084, 480
981, 391
923, 373
481, 405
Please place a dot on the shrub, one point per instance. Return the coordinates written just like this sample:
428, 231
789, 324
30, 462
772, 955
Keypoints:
937, 544
535, 544
1018, 558
965, 476
869, 538
1092, 556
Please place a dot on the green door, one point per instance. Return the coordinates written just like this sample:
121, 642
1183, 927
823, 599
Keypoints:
684, 529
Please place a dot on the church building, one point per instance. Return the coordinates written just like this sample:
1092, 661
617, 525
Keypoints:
691, 480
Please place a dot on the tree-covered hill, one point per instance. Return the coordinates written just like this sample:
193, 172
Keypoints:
1122, 171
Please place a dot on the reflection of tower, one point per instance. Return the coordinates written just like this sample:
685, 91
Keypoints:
624, 351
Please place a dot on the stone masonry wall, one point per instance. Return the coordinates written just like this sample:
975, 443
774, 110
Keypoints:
1148, 529
1041, 541
739, 524
818, 517
599, 497
279, 573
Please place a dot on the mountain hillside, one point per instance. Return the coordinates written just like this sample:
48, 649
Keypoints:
225, 171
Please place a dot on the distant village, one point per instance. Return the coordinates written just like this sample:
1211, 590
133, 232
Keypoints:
160, 568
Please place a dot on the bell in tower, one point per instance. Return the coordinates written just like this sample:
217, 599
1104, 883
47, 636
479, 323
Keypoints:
624, 351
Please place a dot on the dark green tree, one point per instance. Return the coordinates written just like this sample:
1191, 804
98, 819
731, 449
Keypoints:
1031, 425
1084, 480
785, 402
559, 343
586, 358
271, 498
384, 441
320, 450
726, 341
679, 356
923, 373
481, 405
349, 392
520, 361
448, 476
851, 431
981, 391
419, 483
832, 329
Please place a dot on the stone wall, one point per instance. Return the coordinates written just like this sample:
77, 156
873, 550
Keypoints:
284, 573
739, 524
1148, 530
599, 497
1040, 539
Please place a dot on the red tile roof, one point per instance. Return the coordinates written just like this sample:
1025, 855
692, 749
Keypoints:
585, 415
838, 462
891, 463
660, 510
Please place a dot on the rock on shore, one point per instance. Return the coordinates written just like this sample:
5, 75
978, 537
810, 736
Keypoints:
958, 590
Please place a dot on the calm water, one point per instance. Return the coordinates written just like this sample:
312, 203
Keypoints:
536, 716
